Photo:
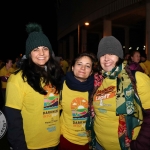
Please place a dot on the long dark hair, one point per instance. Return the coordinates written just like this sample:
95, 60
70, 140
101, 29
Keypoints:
33, 74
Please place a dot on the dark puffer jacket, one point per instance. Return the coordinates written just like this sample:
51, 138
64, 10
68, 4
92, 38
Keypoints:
142, 142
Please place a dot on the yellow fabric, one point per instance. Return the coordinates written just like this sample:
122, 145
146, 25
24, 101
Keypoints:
147, 64
106, 121
74, 115
145, 68
64, 65
6, 73
143, 88
40, 113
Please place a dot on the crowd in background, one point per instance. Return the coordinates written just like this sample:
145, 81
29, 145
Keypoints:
47, 100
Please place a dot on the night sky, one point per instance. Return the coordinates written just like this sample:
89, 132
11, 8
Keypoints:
13, 25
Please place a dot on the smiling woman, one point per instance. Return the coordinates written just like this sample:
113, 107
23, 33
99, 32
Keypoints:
77, 86
40, 55
121, 102
29, 90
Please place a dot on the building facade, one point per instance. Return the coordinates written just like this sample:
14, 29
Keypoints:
127, 20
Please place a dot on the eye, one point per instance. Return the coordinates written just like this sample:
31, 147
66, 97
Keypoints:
88, 66
35, 49
78, 64
46, 48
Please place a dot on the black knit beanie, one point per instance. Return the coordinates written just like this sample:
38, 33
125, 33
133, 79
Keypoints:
36, 38
109, 45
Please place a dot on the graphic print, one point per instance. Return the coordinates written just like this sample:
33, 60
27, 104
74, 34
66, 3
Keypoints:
79, 107
105, 94
51, 108
51, 99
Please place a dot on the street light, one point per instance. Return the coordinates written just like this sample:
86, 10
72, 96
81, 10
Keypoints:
86, 24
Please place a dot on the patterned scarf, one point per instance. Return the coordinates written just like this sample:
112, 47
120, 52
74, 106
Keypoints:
128, 104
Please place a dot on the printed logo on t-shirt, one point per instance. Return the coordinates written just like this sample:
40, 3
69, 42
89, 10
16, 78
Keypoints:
50, 102
105, 94
79, 107
51, 99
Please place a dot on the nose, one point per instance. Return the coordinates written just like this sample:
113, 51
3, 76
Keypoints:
41, 51
106, 56
82, 67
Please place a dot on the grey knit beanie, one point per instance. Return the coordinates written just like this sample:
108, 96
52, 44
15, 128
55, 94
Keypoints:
109, 45
36, 38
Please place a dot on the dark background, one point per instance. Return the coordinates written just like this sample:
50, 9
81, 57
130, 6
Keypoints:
14, 18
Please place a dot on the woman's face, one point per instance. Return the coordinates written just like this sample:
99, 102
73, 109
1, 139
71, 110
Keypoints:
108, 61
40, 55
136, 57
82, 68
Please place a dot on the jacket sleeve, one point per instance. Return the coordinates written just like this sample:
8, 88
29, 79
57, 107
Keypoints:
142, 141
15, 133
4, 79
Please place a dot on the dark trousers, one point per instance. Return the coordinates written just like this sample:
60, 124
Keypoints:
66, 145
2, 98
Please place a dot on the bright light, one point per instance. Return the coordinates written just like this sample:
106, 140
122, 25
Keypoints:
123, 46
130, 47
87, 23
137, 48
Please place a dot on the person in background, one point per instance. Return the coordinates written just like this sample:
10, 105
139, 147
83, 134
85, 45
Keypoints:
77, 86
121, 102
126, 57
32, 96
145, 63
134, 60
5, 72
64, 64
16, 63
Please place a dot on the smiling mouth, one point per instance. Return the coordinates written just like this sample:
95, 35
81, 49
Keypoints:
41, 58
82, 72
107, 65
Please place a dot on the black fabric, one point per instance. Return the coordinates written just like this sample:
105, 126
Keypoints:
76, 85
15, 131
142, 141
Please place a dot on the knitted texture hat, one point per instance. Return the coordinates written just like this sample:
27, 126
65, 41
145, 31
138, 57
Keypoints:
36, 38
109, 45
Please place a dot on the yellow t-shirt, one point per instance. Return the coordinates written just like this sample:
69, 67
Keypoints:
6, 73
106, 122
144, 68
64, 64
40, 113
74, 115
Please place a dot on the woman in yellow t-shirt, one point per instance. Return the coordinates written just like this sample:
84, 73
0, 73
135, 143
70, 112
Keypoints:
32, 99
121, 102
77, 86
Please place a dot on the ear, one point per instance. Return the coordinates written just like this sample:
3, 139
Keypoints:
91, 72
72, 68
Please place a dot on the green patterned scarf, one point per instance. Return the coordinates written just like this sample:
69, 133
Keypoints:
128, 104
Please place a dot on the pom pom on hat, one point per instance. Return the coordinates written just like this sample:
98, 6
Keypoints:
109, 45
36, 38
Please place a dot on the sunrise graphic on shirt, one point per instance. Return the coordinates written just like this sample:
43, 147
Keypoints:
79, 107
51, 99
